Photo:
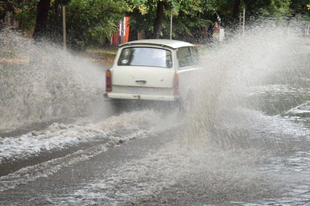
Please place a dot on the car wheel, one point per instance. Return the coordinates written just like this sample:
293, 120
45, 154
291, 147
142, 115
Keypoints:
117, 107
186, 104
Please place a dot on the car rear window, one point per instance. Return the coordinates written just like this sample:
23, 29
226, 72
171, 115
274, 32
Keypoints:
145, 56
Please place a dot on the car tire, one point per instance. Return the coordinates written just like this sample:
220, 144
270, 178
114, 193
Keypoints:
186, 104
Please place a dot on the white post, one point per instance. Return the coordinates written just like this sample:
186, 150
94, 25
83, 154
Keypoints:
64, 27
243, 25
171, 26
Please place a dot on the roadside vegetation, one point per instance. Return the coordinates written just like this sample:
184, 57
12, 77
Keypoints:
103, 56
17, 49
90, 23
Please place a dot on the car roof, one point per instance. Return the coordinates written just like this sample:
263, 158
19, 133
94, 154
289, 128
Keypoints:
159, 42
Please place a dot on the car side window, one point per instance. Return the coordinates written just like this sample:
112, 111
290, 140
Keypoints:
195, 55
187, 56
184, 57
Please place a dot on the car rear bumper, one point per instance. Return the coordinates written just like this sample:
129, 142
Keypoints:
121, 96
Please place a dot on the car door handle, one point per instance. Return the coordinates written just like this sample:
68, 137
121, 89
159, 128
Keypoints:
141, 81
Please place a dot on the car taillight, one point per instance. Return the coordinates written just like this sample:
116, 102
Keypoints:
176, 84
108, 81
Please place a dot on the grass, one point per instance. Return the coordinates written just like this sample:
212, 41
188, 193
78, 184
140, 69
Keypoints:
103, 56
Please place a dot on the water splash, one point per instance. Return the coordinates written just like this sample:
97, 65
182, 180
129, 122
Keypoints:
41, 82
265, 56
223, 115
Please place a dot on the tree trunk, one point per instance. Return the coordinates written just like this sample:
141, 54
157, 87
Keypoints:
40, 29
158, 24
56, 17
57, 26
236, 11
2, 16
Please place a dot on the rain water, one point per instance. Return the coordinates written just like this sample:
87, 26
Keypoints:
241, 144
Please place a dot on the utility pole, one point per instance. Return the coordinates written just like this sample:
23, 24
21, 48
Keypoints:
171, 26
64, 27
243, 24
171, 16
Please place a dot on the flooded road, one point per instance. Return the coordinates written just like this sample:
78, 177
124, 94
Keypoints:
246, 141
258, 160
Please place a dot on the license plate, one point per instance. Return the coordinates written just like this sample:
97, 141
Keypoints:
142, 90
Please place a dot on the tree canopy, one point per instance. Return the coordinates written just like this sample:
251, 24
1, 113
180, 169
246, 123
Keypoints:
91, 22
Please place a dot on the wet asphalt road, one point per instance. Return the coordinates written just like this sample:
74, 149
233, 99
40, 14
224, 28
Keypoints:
255, 156
68, 178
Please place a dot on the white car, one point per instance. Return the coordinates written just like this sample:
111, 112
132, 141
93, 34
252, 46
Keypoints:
152, 70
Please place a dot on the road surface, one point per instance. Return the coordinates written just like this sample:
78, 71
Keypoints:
245, 141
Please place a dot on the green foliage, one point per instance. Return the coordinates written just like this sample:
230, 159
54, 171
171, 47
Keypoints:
91, 22
26, 13
2, 8
23, 11
194, 17
190, 17
275, 8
